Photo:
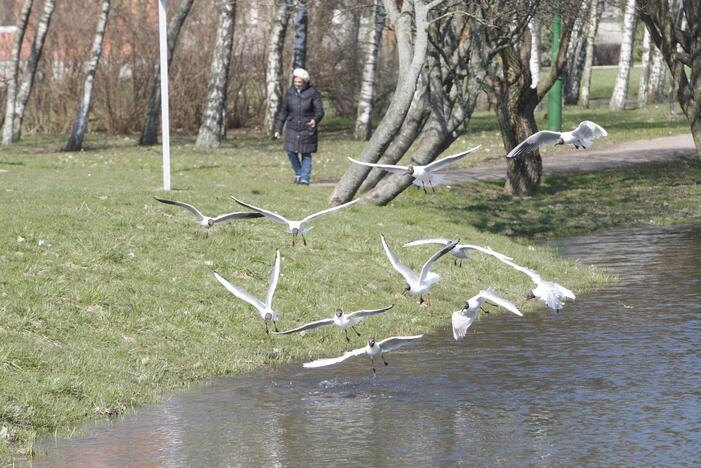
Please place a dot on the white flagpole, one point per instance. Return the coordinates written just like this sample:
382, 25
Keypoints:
165, 119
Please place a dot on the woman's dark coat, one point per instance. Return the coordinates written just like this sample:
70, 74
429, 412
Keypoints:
298, 108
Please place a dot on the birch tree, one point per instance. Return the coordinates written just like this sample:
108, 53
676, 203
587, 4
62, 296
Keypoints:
15, 55
681, 50
410, 22
644, 70
595, 10
273, 70
299, 43
657, 78
625, 61
213, 118
363, 122
149, 134
75, 141
31, 68
575, 55
534, 64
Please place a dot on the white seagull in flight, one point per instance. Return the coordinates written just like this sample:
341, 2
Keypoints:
207, 222
265, 310
422, 174
463, 318
552, 294
295, 227
460, 251
372, 349
340, 319
581, 137
418, 285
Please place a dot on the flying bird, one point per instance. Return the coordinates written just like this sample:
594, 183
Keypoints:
295, 227
340, 319
581, 137
463, 318
460, 251
265, 310
418, 285
422, 174
207, 222
552, 294
372, 349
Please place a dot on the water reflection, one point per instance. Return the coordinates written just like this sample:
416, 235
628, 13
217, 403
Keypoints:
612, 379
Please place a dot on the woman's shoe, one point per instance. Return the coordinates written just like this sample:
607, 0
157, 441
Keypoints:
304, 182
297, 180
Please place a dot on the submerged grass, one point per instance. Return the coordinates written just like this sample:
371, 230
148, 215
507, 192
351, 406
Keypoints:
107, 300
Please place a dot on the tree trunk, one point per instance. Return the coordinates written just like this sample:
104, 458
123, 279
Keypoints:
644, 71
30, 71
595, 10
658, 76
211, 128
534, 63
625, 61
149, 135
299, 44
75, 141
575, 55
403, 95
273, 71
363, 122
15, 55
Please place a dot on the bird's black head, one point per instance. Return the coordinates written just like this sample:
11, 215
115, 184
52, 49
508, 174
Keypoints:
407, 288
268, 317
409, 170
560, 142
210, 222
339, 312
371, 342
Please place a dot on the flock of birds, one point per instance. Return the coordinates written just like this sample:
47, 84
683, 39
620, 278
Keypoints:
418, 284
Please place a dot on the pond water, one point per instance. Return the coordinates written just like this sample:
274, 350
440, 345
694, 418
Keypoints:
614, 378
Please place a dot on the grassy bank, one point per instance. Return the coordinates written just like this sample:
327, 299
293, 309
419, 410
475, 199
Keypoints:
107, 301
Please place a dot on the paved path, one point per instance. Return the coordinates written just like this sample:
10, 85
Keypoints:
621, 156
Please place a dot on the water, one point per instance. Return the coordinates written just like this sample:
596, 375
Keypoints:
612, 379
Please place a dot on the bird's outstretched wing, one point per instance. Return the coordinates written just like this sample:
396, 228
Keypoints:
274, 275
533, 142
448, 160
188, 207
367, 313
404, 270
534, 276
240, 293
306, 326
485, 250
225, 218
564, 291
461, 322
328, 210
386, 167
266, 213
394, 342
432, 260
589, 130
336, 360
500, 301
432, 240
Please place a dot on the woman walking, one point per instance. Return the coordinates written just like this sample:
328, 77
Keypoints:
301, 111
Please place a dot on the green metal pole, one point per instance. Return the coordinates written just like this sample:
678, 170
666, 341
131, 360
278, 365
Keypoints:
555, 93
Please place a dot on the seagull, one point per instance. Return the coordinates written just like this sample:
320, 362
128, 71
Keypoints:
418, 285
372, 349
552, 294
265, 310
581, 137
205, 221
422, 174
463, 318
295, 227
460, 251
341, 319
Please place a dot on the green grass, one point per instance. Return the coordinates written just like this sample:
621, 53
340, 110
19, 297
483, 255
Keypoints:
107, 301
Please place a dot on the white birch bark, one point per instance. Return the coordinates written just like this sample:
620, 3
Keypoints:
534, 63
211, 128
625, 61
595, 11
149, 134
363, 122
299, 43
75, 141
273, 71
11, 96
31, 68
645, 70
658, 76
575, 55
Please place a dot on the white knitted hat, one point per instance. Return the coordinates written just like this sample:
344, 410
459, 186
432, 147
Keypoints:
302, 73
